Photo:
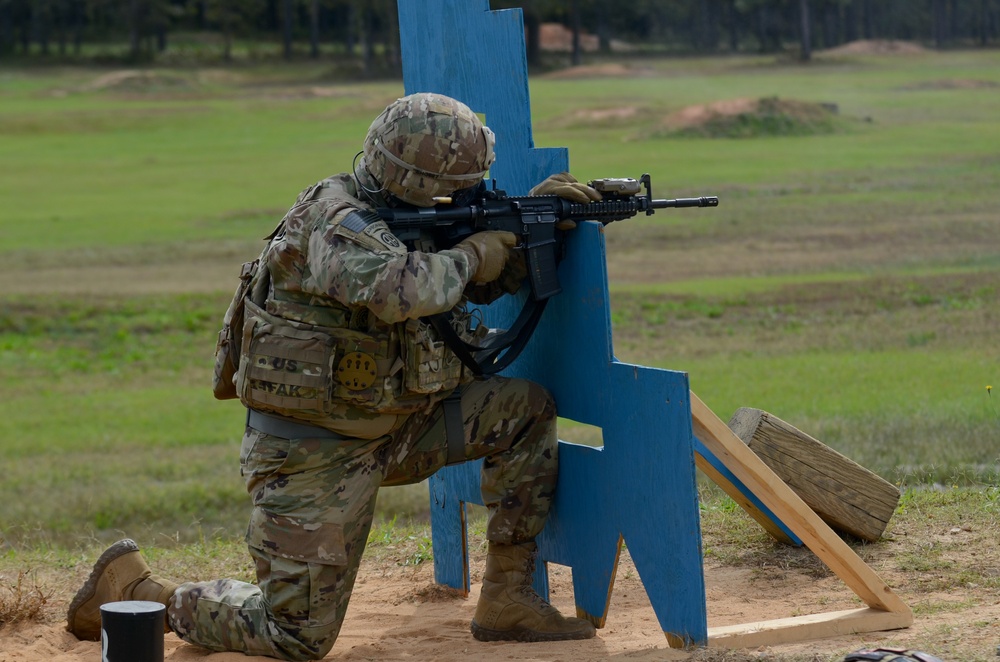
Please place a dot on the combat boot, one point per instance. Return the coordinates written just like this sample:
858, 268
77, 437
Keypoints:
509, 609
119, 574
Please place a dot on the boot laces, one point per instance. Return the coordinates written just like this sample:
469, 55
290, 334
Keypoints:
527, 590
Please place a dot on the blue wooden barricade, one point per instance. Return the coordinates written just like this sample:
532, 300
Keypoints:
640, 486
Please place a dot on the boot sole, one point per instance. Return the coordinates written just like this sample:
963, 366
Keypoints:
89, 589
525, 635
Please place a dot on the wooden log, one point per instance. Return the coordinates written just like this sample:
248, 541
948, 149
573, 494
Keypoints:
848, 497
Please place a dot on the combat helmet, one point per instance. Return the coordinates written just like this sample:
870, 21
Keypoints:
424, 146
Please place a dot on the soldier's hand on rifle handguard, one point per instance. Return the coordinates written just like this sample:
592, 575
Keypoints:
566, 187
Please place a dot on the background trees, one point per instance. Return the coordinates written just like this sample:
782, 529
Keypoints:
143, 30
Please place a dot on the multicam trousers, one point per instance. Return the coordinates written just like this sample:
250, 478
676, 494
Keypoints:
314, 501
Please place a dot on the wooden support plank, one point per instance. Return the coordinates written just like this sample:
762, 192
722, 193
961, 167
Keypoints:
800, 628
738, 495
785, 504
847, 496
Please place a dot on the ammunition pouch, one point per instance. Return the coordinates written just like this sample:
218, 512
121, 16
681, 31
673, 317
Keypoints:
227, 347
285, 367
255, 281
302, 370
431, 366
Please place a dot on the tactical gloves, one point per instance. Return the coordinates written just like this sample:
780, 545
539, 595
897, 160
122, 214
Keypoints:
565, 186
508, 282
492, 250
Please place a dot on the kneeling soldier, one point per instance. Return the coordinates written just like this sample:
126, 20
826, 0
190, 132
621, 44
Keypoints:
345, 387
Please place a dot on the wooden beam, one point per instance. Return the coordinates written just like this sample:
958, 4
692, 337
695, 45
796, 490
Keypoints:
800, 628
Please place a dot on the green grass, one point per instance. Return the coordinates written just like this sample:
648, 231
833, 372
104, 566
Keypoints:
913, 417
846, 283
120, 170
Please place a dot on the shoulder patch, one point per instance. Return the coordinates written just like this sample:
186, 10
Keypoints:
370, 231
357, 220
380, 232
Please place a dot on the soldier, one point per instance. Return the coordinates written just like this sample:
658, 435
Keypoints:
345, 387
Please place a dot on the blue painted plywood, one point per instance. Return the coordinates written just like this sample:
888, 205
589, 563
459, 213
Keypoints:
640, 486
462, 49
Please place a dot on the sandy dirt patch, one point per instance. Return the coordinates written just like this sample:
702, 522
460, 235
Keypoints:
398, 613
556, 37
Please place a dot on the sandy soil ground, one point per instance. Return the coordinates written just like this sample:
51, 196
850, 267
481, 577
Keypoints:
398, 613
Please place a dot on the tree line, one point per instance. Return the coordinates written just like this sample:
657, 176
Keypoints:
144, 30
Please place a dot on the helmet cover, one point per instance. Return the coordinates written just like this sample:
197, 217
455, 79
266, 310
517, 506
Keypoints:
427, 145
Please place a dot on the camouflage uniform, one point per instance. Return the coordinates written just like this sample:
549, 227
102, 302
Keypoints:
314, 498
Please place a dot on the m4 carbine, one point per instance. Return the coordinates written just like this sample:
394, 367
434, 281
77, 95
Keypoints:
540, 221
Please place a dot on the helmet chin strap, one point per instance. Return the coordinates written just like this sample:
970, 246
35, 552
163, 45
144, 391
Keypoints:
374, 194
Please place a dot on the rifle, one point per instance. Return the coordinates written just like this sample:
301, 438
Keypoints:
539, 221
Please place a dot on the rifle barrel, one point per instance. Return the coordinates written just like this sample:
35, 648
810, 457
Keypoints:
704, 201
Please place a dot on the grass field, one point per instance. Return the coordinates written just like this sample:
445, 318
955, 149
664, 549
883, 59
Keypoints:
848, 282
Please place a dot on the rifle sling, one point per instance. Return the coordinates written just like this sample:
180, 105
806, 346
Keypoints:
454, 427
513, 340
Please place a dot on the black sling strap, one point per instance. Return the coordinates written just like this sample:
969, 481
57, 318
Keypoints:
489, 362
490, 357
454, 427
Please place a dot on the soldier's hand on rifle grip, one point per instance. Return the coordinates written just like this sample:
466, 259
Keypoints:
510, 281
491, 249
514, 272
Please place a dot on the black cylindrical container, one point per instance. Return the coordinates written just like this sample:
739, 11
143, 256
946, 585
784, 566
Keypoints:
132, 631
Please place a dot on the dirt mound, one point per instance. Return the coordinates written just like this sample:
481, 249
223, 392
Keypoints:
603, 115
876, 47
628, 117
134, 80
746, 118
